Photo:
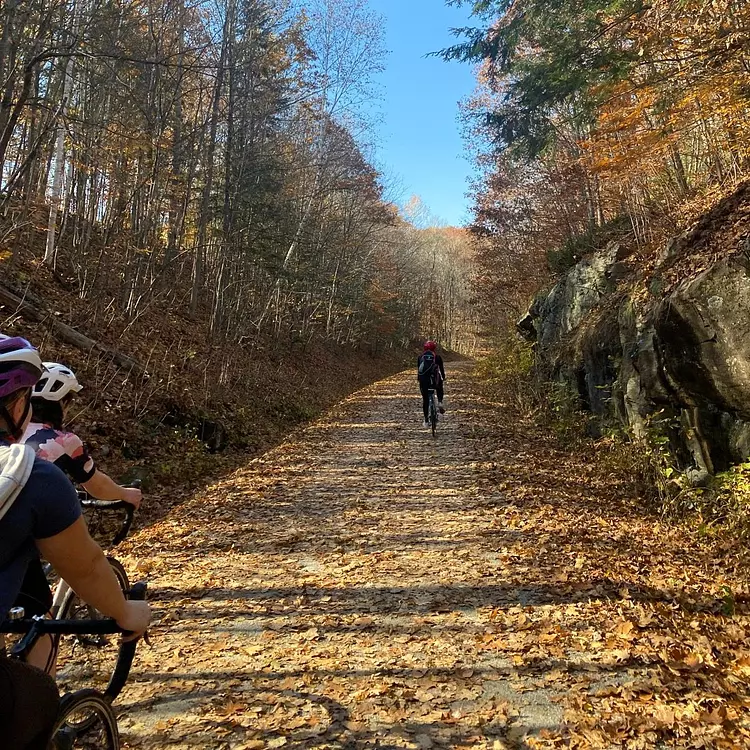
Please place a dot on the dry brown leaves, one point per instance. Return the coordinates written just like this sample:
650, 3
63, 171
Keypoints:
366, 586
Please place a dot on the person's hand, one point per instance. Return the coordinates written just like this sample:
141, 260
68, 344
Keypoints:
136, 618
132, 495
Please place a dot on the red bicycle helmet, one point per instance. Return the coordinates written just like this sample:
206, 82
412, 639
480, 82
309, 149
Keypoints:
430, 346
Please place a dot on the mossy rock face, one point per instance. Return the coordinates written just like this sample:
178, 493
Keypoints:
628, 358
704, 330
656, 286
575, 296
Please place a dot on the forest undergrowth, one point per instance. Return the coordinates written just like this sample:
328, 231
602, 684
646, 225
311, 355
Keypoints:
202, 407
718, 509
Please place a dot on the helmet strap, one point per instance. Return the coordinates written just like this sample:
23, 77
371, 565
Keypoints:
15, 429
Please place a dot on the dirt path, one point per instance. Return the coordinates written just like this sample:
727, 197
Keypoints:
364, 585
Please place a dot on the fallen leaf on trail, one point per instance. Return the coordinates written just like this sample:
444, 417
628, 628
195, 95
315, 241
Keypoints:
325, 594
664, 716
645, 620
231, 708
625, 629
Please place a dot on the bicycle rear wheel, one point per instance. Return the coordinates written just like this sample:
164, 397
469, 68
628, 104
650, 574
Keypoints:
86, 722
92, 661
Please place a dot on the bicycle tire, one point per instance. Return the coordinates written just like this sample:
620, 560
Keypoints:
69, 603
89, 655
86, 721
126, 652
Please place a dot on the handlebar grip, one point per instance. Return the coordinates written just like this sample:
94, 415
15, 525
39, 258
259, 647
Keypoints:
90, 502
122, 669
138, 591
127, 650
65, 627
126, 524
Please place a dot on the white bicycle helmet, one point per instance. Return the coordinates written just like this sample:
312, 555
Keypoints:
56, 383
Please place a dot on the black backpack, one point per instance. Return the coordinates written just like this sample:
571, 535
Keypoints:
427, 365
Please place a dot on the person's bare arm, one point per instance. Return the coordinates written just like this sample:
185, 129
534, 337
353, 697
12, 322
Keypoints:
79, 560
102, 487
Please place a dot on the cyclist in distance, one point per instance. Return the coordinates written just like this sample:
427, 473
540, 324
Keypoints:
40, 515
46, 434
431, 375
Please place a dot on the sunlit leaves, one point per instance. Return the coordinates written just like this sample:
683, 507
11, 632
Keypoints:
360, 585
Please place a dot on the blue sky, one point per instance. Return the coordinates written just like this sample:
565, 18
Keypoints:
419, 138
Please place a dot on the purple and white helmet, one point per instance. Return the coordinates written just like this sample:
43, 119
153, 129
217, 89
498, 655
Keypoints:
20, 365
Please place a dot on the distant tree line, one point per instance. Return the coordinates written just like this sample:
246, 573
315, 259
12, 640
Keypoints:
597, 120
208, 156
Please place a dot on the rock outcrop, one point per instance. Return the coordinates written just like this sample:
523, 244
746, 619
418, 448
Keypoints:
636, 348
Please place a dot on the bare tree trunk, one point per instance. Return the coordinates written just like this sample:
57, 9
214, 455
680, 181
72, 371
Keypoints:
199, 268
58, 165
679, 170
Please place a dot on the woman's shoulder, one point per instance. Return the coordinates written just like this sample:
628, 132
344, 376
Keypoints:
46, 472
45, 481
51, 497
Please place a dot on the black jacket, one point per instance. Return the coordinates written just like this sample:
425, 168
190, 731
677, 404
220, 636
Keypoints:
440, 367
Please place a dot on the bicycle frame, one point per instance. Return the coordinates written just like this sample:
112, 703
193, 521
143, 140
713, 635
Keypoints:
61, 591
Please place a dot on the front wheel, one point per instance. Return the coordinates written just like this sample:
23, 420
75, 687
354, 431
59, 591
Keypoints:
91, 660
86, 721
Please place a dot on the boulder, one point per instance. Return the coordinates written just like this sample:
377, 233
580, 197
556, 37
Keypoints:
575, 296
704, 329
683, 361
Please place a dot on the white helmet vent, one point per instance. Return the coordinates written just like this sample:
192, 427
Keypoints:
56, 383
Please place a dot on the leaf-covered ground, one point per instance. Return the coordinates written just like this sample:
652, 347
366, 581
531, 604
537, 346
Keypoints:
364, 585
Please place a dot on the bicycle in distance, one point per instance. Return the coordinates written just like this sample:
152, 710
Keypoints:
433, 411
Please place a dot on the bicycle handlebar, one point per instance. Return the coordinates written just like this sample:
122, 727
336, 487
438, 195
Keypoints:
33, 627
45, 626
89, 502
